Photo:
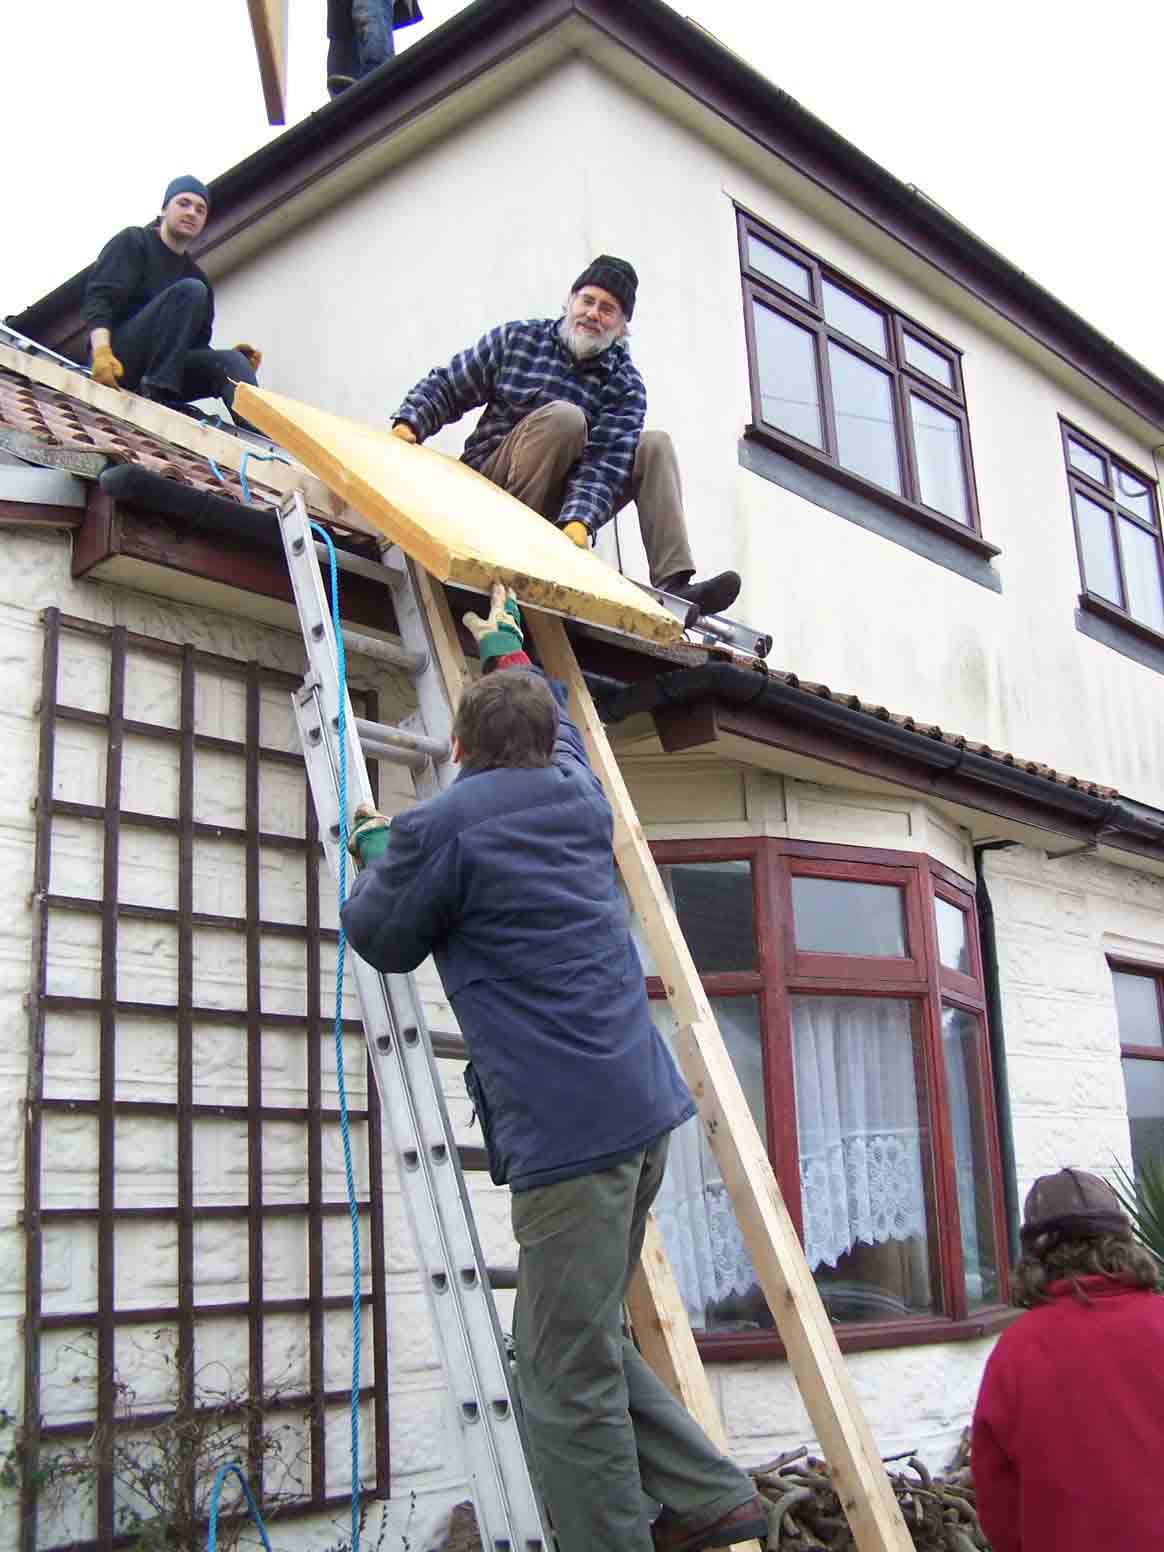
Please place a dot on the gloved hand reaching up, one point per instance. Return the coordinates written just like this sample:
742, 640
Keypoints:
500, 634
368, 838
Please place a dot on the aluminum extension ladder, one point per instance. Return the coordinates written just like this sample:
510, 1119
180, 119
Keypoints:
429, 1161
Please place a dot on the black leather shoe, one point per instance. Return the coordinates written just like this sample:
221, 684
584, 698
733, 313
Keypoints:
747, 1523
711, 597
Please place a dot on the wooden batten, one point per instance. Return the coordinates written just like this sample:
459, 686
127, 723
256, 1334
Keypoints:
269, 27
768, 1231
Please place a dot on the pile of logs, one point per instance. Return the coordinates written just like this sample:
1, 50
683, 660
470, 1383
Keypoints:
805, 1515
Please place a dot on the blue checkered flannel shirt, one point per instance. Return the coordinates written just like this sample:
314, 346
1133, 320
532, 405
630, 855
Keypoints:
521, 366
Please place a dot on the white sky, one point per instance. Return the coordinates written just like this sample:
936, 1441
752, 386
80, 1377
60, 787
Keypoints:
1036, 124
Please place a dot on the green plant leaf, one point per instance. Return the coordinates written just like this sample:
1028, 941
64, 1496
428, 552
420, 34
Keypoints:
1142, 1198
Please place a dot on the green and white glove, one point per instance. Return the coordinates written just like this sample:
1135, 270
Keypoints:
500, 634
368, 837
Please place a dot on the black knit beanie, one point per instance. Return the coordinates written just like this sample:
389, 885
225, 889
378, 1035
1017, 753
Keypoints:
613, 275
186, 184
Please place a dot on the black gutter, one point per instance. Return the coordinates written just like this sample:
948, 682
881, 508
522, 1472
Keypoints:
132, 486
1107, 818
992, 986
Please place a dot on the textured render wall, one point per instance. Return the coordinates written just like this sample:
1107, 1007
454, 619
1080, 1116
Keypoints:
1057, 922
496, 220
424, 1452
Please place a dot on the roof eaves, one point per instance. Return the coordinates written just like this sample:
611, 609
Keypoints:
997, 777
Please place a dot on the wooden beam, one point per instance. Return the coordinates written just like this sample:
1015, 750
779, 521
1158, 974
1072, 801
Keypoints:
665, 1339
269, 26
768, 1232
453, 521
182, 431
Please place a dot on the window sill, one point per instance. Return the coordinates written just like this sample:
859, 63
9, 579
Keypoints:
1103, 622
826, 484
729, 1347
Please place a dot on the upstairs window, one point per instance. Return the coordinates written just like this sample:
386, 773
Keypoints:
1117, 534
839, 376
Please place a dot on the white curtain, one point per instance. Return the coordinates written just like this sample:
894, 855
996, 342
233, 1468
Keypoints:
693, 1209
857, 1124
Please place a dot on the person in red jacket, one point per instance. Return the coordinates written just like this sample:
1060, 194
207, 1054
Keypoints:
1067, 1444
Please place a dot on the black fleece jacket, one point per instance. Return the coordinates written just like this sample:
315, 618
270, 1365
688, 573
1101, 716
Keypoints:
130, 271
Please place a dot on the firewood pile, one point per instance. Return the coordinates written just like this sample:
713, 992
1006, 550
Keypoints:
805, 1514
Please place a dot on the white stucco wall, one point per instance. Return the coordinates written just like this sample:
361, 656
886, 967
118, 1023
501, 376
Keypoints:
495, 221
424, 1451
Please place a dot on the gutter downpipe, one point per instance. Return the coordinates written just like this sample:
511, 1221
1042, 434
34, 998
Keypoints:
1001, 1086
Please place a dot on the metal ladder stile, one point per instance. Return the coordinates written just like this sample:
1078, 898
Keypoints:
432, 1183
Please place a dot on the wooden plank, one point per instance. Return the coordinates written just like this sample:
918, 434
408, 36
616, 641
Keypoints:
665, 1339
269, 27
768, 1232
451, 520
660, 1322
434, 604
171, 426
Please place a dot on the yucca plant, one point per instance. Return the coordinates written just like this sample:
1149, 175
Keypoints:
1142, 1198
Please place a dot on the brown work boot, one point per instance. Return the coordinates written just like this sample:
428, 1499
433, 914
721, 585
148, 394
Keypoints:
748, 1522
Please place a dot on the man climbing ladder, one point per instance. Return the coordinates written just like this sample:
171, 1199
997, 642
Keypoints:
508, 877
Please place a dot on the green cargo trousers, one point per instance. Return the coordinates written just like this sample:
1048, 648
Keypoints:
602, 1428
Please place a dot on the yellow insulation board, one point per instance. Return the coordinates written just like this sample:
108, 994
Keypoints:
458, 525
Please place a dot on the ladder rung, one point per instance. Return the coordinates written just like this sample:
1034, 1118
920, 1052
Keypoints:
409, 758
435, 749
451, 1047
473, 1160
502, 1276
385, 652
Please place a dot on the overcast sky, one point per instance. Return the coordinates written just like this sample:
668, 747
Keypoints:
1035, 124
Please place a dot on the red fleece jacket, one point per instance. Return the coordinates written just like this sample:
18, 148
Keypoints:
1068, 1436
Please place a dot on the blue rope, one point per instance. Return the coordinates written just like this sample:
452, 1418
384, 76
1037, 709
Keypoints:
220, 1477
278, 457
353, 1210
349, 1173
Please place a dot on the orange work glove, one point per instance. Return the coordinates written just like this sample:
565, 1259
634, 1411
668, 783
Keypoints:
106, 369
404, 431
255, 357
579, 533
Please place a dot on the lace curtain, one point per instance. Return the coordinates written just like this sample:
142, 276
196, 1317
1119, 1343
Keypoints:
860, 1148
693, 1209
857, 1124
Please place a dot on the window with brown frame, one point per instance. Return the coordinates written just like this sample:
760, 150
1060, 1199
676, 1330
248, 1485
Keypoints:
1117, 534
1139, 995
847, 985
840, 378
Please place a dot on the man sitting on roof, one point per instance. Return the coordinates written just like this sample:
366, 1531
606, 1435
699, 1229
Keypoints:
150, 310
563, 426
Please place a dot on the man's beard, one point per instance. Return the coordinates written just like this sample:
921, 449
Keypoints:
582, 345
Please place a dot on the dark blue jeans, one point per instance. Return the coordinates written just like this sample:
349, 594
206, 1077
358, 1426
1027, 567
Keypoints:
154, 347
359, 36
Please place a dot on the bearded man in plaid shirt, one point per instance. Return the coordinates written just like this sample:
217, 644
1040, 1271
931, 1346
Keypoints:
563, 427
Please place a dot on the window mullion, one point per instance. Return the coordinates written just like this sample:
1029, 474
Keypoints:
947, 1228
905, 438
825, 379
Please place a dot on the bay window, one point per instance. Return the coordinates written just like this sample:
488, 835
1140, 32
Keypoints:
847, 987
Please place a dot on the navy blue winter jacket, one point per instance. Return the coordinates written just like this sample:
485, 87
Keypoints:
508, 879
